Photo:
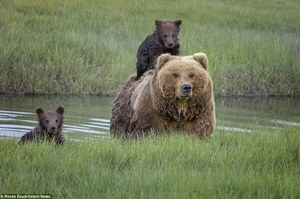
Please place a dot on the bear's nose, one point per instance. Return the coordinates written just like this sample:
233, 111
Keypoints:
186, 88
170, 45
52, 128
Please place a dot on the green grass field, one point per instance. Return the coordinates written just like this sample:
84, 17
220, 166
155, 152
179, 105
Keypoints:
264, 164
89, 47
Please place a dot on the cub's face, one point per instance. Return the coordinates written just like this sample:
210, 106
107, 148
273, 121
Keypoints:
50, 121
168, 32
183, 77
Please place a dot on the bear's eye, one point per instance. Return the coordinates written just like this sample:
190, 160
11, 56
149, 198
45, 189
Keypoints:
47, 121
191, 75
175, 75
56, 121
165, 36
173, 35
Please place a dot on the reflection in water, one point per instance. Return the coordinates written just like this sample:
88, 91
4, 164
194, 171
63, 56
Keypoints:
87, 118
258, 112
12, 125
226, 128
13, 129
286, 123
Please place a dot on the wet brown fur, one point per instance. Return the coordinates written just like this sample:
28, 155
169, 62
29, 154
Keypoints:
157, 101
163, 40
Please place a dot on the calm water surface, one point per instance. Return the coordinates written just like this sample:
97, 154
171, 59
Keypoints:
87, 117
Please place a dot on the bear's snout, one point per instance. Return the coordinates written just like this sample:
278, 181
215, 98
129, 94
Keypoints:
186, 90
170, 45
52, 129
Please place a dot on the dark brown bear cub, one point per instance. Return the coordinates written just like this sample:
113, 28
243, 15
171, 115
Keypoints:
163, 40
49, 127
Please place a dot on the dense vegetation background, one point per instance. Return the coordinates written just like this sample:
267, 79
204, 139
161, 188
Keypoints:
89, 47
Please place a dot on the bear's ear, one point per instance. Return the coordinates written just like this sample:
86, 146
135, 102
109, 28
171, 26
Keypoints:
60, 110
178, 23
161, 60
202, 59
158, 23
39, 111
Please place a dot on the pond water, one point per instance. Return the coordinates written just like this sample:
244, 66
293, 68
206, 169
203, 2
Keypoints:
87, 117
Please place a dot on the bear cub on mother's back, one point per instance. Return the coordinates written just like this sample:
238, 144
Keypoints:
49, 127
163, 40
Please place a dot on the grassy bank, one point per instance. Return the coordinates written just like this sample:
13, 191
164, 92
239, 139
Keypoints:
89, 47
229, 165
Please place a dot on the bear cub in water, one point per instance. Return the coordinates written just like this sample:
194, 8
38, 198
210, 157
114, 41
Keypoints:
163, 40
49, 127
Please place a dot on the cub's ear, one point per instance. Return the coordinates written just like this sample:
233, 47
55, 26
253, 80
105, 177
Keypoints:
39, 111
161, 60
202, 59
158, 23
60, 110
178, 23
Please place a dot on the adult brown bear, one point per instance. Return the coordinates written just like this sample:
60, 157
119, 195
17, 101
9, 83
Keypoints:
176, 95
